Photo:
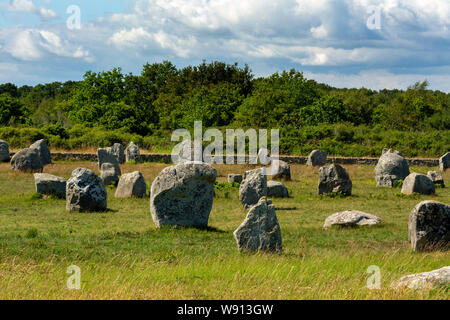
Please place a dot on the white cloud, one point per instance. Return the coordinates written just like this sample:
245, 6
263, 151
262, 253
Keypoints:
34, 44
23, 47
317, 36
28, 6
381, 79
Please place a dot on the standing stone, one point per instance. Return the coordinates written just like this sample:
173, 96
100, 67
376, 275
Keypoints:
391, 167
85, 191
131, 185
276, 189
107, 155
260, 230
109, 174
264, 157
133, 153
281, 170
27, 160
429, 226
334, 179
351, 218
317, 158
43, 150
234, 178
4, 151
426, 280
117, 150
444, 162
188, 150
418, 183
253, 188
49, 184
183, 195
437, 178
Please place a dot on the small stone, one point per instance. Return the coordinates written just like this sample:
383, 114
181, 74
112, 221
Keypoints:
424, 281
117, 150
418, 183
260, 230
280, 170
276, 189
429, 226
264, 156
4, 151
85, 191
131, 185
317, 158
133, 153
253, 187
108, 155
444, 162
49, 184
234, 178
351, 218
391, 167
27, 160
43, 150
109, 174
334, 179
437, 178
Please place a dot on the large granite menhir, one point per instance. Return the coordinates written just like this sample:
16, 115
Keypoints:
85, 191
391, 167
260, 230
183, 195
429, 226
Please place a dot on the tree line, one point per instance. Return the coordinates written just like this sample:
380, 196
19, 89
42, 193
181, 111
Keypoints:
163, 98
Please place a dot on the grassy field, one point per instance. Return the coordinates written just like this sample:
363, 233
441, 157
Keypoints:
123, 256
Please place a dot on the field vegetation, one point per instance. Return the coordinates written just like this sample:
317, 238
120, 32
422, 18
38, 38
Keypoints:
123, 256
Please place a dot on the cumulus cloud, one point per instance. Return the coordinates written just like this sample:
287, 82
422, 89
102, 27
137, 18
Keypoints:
320, 37
33, 44
29, 7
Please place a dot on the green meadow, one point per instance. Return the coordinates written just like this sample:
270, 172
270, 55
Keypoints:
122, 255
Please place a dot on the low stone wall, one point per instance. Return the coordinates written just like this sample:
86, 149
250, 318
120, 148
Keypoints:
166, 158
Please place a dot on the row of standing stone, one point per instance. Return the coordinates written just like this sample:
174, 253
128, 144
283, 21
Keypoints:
183, 194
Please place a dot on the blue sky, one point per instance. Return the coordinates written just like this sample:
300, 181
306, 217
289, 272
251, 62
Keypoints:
339, 42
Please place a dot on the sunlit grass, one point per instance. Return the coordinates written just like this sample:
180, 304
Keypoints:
123, 256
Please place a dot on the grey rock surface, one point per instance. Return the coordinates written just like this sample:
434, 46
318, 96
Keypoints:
133, 153
280, 170
234, 178
351, 218
183, 195
334, 179
108, 155
444, 161
131, 185
109, 174
49, 184
253, 187
264, 156
425, 280
391, 167
118, 151
4, 151
317, 158
85, 191
418, 183
276, 189
27, 160
43, 150
437, 178
429, 226
260, 230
